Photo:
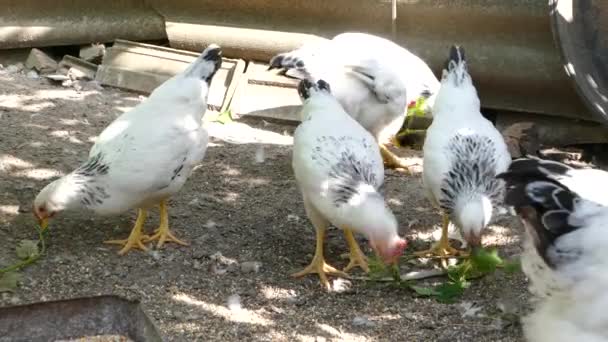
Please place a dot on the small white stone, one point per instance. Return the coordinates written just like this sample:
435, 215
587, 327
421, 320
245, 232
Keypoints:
32, 74
251, 266
259, 154
14, 68
210, 224
341, 285
234, 302
154, 254
362, 321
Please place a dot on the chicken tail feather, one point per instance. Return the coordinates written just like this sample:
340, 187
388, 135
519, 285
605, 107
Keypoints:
207, 64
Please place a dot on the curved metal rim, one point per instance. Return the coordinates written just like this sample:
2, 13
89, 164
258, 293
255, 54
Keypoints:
564, 36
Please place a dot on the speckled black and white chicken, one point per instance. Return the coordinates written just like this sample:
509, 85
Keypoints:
340, 174
373, 78
565, 215
463, 153
143, 157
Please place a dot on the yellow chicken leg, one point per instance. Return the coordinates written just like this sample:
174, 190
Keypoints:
442, 249
163, 234
136, 239
318, 265
392, 161
357, 258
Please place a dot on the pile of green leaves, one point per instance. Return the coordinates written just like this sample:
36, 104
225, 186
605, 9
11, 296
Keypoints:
28, 251
480, 263
418, 108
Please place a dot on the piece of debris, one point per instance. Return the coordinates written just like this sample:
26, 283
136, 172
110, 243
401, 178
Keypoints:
32, 74
143, 67
259, 154
362, 321
57, 77
78, 68
469, 309
92, 53
234, 302
265, 94
14, 68
251, 266
340, 285
220, 264
40, 61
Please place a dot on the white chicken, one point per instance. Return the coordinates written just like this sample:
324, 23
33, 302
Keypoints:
340, 173
565, 214
143, 157
373, 78
463, 152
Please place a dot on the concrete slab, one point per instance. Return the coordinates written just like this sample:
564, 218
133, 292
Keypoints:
92, 53
264, 94
143, 67
78, 68
40, 61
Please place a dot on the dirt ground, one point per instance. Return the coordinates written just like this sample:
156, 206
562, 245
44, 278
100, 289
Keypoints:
240, 206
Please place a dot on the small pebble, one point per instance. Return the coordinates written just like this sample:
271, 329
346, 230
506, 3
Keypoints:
154, 254
259, 154
341, 285
234, 302
14, 68
251, 266
32, 74
362, 321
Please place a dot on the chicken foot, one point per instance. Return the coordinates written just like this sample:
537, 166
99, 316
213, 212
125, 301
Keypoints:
392, 161
357, 258
442, 248
163, 233
136, 238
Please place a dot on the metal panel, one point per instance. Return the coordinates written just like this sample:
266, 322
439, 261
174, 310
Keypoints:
581, 32
512, 56
35, 23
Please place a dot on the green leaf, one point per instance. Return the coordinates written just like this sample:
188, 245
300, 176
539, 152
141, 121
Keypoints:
425, 291
27, 249
448, 292
418, 108
9, 281
224, 117
512, 266
485, 261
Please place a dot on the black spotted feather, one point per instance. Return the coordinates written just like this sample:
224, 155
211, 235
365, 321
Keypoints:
86, 176
544, 203
472, 172
348, 171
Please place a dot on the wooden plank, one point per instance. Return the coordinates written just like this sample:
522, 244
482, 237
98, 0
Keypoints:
143, 67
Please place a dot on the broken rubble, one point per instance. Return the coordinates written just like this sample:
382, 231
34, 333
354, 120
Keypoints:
78, 68
266, 95
92, 53
14, 68
40, 61
251, 266
32, 74
143, 67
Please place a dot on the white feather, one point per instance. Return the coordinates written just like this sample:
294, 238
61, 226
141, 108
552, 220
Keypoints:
150, 151
377, 103
456, 112
319, 147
